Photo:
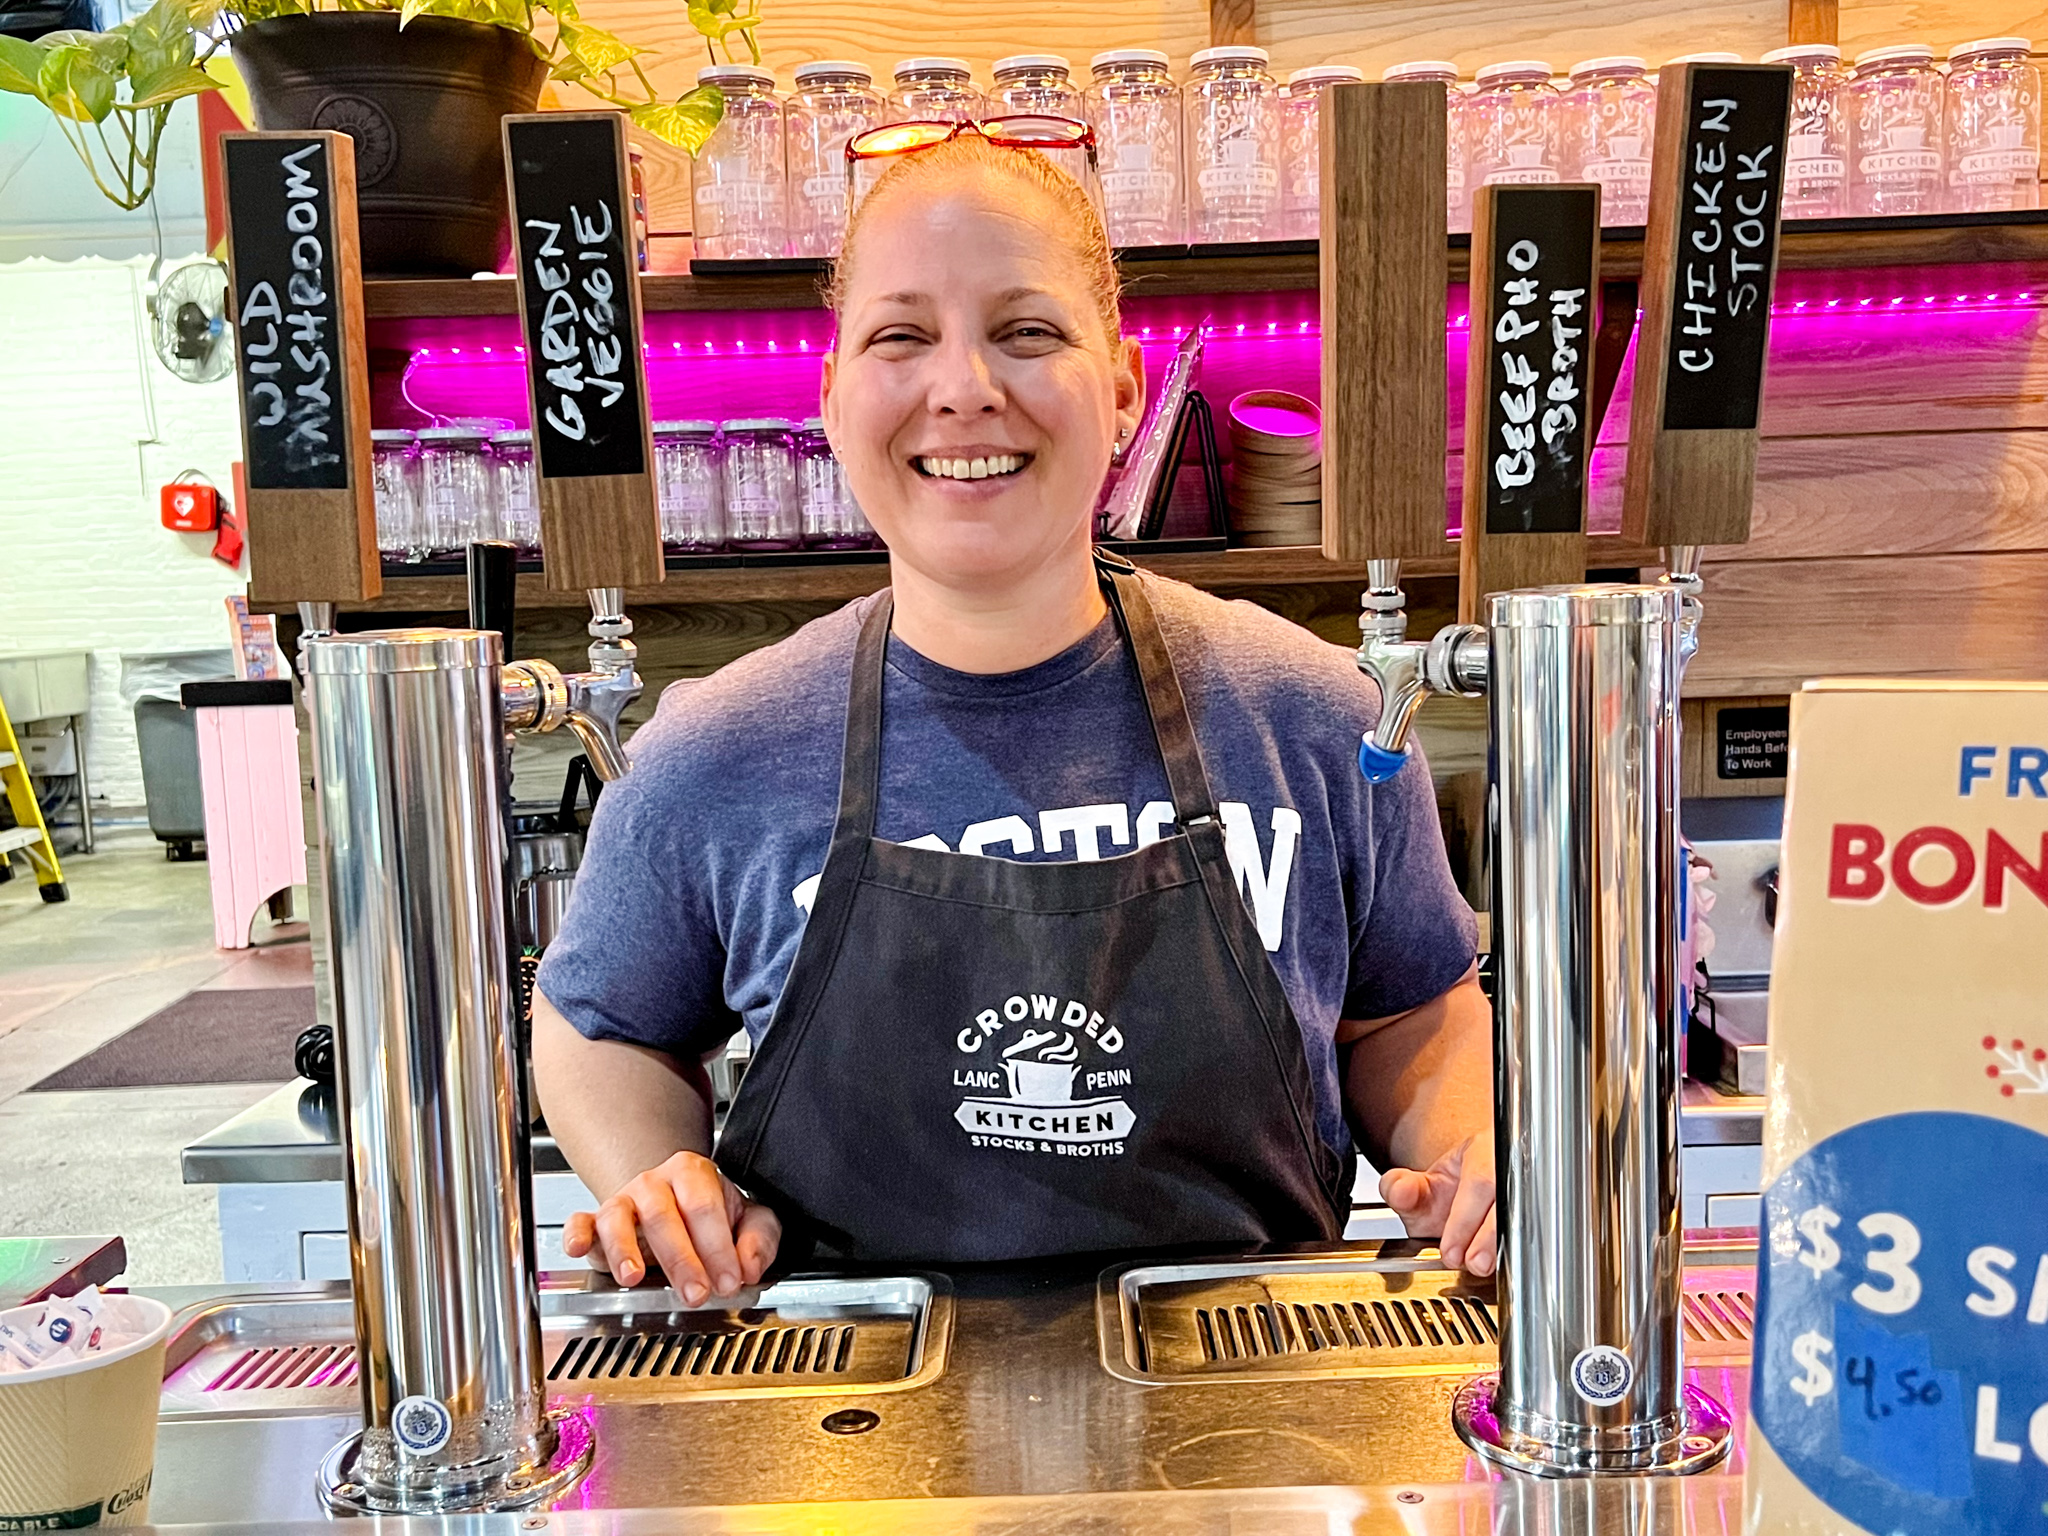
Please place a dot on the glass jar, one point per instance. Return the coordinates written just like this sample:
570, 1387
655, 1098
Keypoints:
1457, 194
1233, 146
832, 519
1513, 133
760, 485
1301, 147
834, 99
1705, 58
457, 500
1994, 126
394, 483
1895, 131
689, 486
1135, 109
736, 179
1609, 119
1817, 141
1035, 82
935, 91
518, 495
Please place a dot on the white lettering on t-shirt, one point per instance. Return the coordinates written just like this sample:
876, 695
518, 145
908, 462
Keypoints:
1265, 884
1085, 822
1014, 830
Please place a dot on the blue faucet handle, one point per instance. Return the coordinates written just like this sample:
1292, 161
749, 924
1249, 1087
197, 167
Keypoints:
1377, 763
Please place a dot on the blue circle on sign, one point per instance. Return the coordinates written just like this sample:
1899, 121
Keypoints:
1901, 1366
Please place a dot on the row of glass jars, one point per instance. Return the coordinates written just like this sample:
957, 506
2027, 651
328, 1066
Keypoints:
771, 181
760, 483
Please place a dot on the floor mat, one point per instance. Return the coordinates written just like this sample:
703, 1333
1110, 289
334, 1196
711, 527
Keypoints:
236, 1035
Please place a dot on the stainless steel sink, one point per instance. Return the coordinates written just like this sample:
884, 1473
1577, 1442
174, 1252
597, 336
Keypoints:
805, 1336
1357, 1313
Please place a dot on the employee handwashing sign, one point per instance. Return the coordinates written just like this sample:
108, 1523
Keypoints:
1026, 1058
1901, 1372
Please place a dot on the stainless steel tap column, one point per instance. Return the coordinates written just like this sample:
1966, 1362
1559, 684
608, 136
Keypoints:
1582, 684
409, 745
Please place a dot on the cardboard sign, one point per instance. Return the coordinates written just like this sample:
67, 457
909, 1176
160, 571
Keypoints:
1529, 386
1901, 1369
579, 295
305, 400
1710, 259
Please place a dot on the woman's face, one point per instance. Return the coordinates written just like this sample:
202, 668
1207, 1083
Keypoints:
972, 397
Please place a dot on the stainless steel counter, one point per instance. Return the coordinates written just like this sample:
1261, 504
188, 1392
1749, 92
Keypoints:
289, 1137
1024, 1413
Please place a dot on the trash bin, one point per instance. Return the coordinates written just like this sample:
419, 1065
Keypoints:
167, 737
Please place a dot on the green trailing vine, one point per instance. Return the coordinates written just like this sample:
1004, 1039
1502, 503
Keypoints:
112, 92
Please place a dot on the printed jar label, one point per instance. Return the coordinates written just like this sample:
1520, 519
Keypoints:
1609, 173
1522, 176
1817, 168
1994, 162
1137, 183
1216, 179
1900, 162
739, 196
825, 189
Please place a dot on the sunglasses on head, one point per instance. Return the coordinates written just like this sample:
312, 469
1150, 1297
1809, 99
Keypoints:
1015, 131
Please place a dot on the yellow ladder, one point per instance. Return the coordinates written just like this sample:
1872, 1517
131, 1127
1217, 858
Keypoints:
28, 833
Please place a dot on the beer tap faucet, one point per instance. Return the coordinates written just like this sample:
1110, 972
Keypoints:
1451, 662
540, 697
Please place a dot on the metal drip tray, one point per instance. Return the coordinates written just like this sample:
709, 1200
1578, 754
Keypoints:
806, 1336
1355, 1313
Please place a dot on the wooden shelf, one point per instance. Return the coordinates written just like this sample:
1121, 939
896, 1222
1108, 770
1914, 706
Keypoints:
839, 583
1809, 245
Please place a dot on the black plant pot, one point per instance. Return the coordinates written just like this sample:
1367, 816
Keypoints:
423, 108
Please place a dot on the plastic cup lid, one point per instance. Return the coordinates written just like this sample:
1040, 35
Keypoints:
1991, 45
1896, 53
1320, 72
391, 434
517, 439
1109, 58
1230, 53
932, 67
1422, 69
761, 424
814, 424
1022, 61
1800, 52
453, 434
1613, 61
735, 74
1706, 58
819, 68
669, 428
1507, 67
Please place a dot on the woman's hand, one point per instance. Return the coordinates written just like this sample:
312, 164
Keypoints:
707, 1236
1452, 1201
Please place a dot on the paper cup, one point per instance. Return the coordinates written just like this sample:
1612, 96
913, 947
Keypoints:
78, 1441
1275, 421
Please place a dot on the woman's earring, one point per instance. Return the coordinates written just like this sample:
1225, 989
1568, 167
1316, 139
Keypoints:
1116, 454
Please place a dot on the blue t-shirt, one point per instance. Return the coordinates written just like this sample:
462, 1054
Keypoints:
702, 862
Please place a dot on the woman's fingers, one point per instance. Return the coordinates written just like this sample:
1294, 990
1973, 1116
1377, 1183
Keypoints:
700, 1195
756, 1238
1471, 1207
617, 1224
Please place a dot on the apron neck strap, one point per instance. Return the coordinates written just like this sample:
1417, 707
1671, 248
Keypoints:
861, 766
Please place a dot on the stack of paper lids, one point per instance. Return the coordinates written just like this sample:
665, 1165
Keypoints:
1276, 471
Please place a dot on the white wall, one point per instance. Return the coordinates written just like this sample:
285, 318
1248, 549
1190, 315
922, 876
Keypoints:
91, 425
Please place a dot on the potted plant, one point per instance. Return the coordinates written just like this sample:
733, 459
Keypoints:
419, 85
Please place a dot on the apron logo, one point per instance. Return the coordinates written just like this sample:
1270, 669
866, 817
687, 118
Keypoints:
1043, 1090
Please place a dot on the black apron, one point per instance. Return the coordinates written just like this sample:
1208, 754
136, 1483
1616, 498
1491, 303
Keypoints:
979, 1059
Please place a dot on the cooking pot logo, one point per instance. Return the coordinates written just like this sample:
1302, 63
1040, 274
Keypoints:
1023, 1094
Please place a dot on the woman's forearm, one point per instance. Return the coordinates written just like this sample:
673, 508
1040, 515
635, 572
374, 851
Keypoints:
615, 1109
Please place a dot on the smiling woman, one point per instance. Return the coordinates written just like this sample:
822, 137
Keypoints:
1209, 953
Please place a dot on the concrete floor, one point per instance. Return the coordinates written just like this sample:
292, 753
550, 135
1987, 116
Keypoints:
136, 935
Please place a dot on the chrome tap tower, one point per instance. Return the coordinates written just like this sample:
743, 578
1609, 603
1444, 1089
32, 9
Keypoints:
410, 749
1582, 696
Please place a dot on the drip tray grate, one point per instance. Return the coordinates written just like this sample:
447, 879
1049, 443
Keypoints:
1350, 1314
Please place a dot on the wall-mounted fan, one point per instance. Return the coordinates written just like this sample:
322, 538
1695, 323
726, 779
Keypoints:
188, 321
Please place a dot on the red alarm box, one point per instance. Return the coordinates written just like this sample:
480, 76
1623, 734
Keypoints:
189, 508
